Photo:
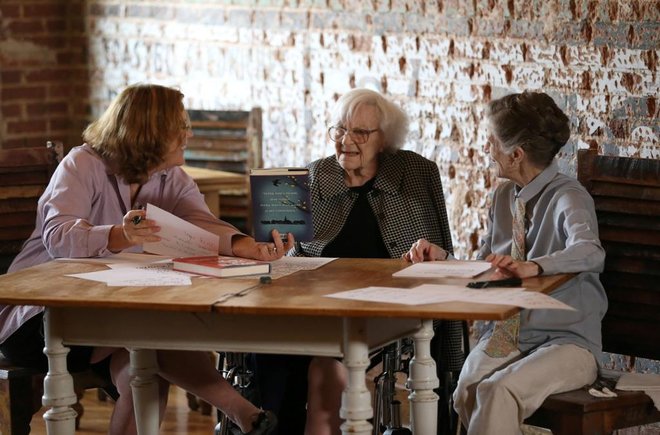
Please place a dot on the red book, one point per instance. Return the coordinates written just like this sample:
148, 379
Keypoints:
220, 266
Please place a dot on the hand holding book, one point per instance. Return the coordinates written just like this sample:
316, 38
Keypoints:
281, 201
247, 247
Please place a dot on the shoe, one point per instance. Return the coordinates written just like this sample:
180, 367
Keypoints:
265, 423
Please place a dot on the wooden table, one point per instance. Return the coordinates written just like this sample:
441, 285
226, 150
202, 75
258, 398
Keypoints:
288, 316
211, 182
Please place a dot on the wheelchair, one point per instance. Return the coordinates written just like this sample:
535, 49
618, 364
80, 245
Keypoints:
451, 335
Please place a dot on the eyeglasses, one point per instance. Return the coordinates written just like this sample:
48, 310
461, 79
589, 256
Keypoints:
359, 135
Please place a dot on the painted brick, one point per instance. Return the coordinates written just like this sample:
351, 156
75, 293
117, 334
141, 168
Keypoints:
11, 110
25, 28
442, 60
10, 11
19, 127
495, 27
199, 15
36, 10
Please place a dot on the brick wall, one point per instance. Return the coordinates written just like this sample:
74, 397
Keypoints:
43, 72
442, 60
62, 61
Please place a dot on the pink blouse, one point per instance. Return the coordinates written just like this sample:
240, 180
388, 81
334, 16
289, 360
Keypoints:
81, 204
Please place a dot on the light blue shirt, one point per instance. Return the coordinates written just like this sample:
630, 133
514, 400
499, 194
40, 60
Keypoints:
562, 237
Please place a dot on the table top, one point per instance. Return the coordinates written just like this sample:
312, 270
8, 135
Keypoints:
301, 293
205, 176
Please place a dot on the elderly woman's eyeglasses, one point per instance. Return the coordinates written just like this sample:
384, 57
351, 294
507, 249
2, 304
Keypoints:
359, 135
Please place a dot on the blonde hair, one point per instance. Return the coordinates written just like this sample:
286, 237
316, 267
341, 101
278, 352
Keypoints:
135, 131
393, 120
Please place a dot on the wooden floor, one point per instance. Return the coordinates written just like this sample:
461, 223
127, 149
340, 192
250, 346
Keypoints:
179, 419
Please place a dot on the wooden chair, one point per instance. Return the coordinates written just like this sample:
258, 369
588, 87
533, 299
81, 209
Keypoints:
626, 193
228, 140
24, 174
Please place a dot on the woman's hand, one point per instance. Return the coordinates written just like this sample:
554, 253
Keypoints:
423, 250
247, 247
506, 266
134, 230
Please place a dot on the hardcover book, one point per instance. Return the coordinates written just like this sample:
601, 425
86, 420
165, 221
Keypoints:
281, 200
220, 266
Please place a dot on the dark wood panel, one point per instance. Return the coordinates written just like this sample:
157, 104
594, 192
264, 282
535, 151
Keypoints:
627, 280
216, 155
641, 295
628, 191
643, 265
632, 311
215, 143
18, 205
620, 205
618, 218
19, 219
619, 234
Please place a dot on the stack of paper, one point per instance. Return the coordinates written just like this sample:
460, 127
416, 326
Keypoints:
444, 269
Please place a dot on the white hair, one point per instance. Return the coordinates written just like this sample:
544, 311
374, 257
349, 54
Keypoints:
393, 120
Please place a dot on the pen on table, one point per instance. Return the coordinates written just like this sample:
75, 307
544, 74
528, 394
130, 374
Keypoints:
507, 282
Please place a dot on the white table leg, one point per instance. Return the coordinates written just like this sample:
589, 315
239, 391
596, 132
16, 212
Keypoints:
144, 385
356, 400
422, 380
58, 384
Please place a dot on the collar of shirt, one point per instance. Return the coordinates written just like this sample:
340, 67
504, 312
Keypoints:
388, 177
538, 183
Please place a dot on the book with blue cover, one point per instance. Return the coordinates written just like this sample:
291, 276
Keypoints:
281, 200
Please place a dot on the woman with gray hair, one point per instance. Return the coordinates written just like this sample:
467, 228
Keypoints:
541, 222
369, 200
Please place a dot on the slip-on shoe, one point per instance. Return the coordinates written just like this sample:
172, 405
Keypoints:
265, 423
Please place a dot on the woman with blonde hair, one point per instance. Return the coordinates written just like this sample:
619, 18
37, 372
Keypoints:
131, 158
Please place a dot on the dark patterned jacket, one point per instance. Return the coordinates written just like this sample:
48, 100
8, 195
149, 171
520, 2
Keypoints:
406, 199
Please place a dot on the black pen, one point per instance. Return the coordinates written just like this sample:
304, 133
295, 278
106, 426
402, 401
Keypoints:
137, 219
507, 282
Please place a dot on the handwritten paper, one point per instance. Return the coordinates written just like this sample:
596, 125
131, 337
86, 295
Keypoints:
142, 277
438, 293
391, 295
444, 269
120, 259
180, 238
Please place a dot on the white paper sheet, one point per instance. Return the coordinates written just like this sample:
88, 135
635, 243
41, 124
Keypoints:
122, 258
434, 294
444, 269
180, 238
515, 296
142, 277
392, 295
288, 265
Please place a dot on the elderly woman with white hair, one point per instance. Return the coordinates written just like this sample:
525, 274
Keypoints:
369, 200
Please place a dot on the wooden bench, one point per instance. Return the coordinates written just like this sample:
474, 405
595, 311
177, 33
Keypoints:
228, 140
626, 193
